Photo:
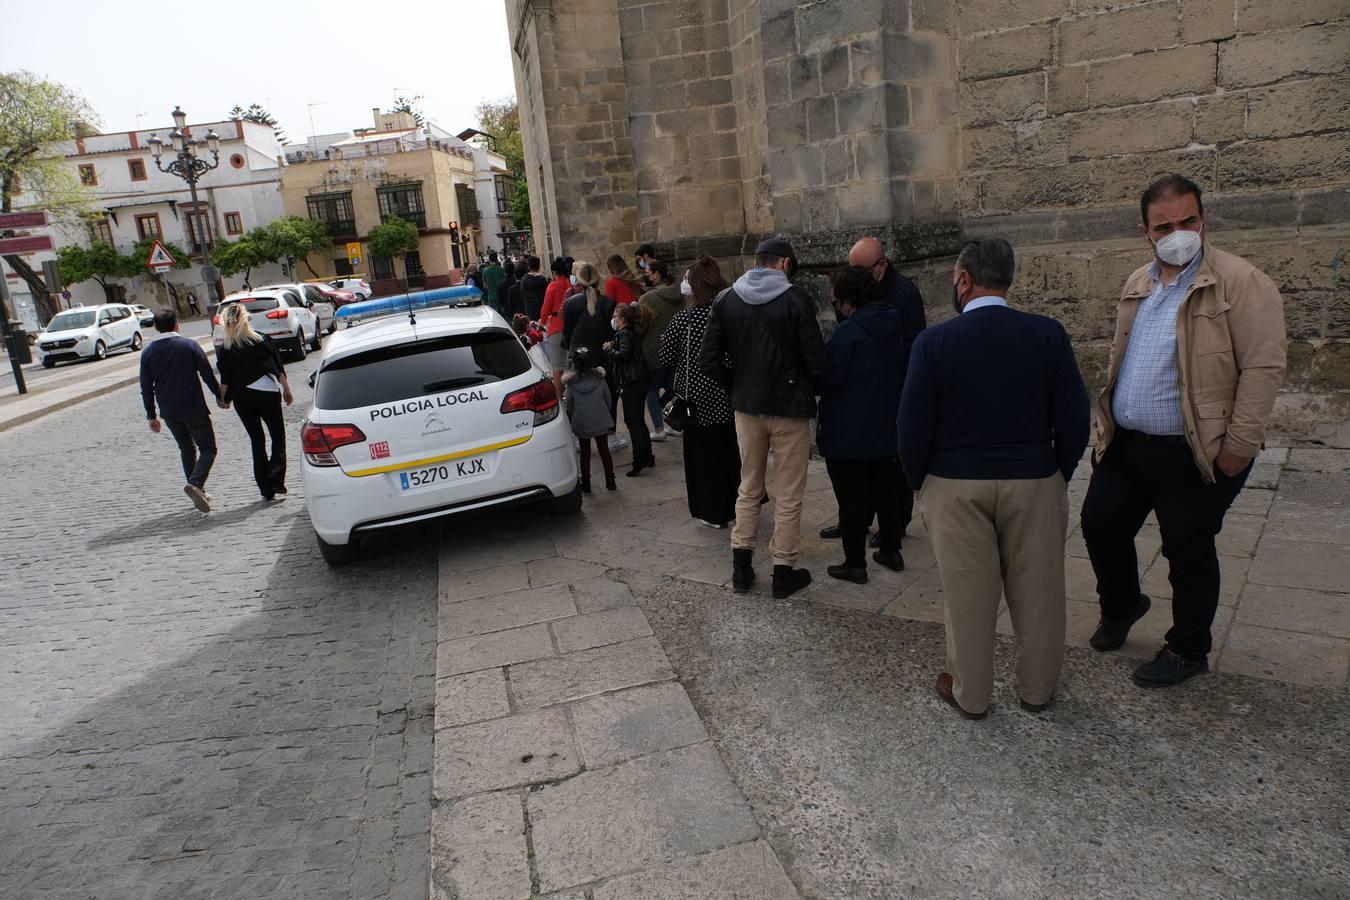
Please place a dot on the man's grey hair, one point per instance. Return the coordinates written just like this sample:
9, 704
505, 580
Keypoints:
989, 260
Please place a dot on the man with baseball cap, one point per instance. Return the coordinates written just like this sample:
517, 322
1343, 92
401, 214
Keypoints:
764, 345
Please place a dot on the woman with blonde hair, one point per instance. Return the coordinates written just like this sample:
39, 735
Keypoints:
587, 322
253, 378
622, 284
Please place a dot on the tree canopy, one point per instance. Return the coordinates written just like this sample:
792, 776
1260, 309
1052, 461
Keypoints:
293, 238
257, 113
251, 250
501, 120
409, 105
100, 262
394, 238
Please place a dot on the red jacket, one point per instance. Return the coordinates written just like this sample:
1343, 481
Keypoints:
554, 295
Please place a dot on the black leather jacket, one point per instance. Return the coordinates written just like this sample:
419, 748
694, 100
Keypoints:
628, 361
770, 356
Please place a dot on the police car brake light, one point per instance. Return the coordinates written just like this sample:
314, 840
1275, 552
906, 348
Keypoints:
320, 441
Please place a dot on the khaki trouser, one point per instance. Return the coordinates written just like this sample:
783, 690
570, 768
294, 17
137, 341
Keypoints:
992, 539
790, 441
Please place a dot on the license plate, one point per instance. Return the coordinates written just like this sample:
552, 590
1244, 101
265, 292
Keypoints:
414, 479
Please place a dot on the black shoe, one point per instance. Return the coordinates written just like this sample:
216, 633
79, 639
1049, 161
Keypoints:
848, 573
1111, 635
788, 581
1169, 668
635, 471
742, 573
279, 487
893, 561
831, 533
610, 483
586, 485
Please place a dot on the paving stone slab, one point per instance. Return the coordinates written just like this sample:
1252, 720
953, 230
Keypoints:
562, 569
922, 599
471, 697
588, 673
634, 815
478, 849
486, 651
613, 626
492, 548
598, 594
1240, 535
1301, 564
1286, 656
615, 727
501, 753
456, 586
501, 611
743, 872
1291, 609
1336, 462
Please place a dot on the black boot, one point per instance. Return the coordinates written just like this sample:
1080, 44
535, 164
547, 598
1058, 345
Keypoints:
610, 483
788, 581
742, 574
586, 484
845, 572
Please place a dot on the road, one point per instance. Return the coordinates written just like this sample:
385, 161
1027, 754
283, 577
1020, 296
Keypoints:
196, 705
35, 374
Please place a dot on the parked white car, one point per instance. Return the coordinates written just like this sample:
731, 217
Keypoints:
278, 314
144, 314
89, 332
416, 423
325, 313
358, 286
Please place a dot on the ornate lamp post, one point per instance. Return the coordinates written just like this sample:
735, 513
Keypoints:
188, 164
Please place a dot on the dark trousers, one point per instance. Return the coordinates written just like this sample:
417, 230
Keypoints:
196, 447
864, 488
662, 379
256, 409
904, 500
601, 447
634, 405
1137, 477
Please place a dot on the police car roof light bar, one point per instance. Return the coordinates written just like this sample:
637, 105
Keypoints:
459, 295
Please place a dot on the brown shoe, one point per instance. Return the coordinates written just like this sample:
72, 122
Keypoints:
199, 497
1037, 707
944, 690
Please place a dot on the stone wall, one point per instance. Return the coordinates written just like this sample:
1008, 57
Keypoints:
702, 125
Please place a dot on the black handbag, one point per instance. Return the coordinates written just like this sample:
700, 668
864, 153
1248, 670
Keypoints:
676, 411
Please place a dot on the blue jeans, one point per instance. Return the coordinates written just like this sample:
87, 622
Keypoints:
662, 378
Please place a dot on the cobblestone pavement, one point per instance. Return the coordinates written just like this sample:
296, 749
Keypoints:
196, 706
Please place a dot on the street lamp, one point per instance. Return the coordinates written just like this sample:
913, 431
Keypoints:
189, 165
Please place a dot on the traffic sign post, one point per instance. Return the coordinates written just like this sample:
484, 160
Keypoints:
159, 259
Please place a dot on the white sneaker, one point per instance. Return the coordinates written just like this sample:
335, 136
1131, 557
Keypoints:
673, 433
616, 443
658, 436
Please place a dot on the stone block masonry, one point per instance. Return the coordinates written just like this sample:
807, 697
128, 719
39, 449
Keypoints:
826, 120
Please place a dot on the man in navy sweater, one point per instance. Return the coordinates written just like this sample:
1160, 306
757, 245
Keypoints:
172, 369
993, 420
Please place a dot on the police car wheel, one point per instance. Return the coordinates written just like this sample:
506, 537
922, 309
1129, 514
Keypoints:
338, 554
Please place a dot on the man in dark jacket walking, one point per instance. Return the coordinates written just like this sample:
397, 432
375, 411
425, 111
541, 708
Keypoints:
764, 344
858, 403
172, 371
993, 420
532, 288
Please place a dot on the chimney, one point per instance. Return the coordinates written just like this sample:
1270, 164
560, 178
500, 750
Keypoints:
376, 113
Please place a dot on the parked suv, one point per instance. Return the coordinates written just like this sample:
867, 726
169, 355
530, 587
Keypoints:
89, 332
325, 311
279, 314
412, 423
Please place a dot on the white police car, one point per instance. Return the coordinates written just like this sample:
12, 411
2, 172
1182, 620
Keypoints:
413, 421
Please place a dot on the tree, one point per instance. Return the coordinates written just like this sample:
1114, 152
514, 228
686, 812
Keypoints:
250, 251
500, 120
520, 207
409, 105
35, 113
395, 238
100, 262
293, 238
256, 113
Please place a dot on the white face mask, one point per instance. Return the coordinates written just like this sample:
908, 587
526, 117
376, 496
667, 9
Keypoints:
572, 278
615, 323
1179, 247
686, 288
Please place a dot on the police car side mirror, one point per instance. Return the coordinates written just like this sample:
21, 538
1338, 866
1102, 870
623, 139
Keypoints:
313, 376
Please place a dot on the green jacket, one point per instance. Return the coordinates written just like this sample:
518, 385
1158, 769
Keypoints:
665, 301
492, 276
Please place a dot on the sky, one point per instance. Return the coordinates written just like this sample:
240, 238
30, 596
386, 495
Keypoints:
298, 58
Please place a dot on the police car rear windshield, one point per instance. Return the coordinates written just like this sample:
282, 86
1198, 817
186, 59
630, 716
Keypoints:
417, 369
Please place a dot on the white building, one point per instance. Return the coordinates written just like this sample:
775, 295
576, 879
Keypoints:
495, 189
133, 200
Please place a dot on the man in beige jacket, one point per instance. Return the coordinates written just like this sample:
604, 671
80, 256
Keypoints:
1198, 355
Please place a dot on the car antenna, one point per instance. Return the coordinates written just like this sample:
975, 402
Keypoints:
412, 317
